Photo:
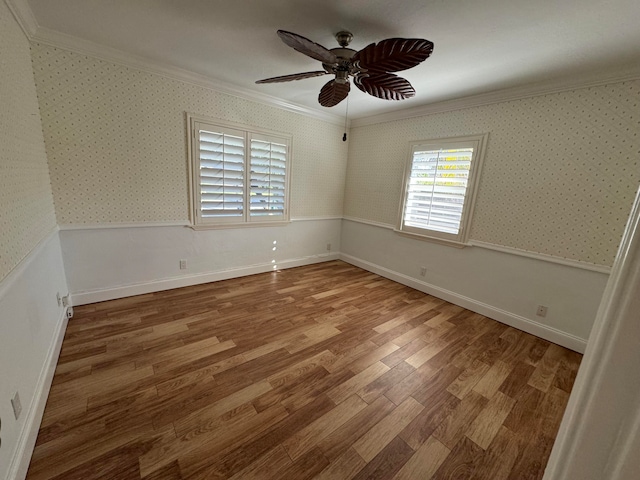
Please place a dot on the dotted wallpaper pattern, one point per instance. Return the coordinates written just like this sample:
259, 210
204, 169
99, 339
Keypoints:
26, 203
560, 172
116, 141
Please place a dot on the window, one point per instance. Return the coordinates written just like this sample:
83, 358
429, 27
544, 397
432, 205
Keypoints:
238, 176
439, 187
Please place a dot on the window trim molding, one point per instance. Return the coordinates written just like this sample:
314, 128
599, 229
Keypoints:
462, 238
191, 121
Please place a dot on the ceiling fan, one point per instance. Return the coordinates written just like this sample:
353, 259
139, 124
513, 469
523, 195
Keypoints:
369, 67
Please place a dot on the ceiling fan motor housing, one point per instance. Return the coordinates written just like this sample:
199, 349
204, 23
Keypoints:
344, 67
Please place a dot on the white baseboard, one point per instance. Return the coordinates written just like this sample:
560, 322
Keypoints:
101, 295
517, 321
29, 434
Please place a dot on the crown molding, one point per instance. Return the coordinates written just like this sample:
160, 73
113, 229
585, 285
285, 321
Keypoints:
85, 47
23, 14
503, 95
27, 21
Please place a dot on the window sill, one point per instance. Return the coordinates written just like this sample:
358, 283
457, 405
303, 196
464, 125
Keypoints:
218, 226
427, 238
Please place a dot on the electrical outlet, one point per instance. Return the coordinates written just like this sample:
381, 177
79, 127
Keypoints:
17, 406
59, 298
423, 271
328, 247
541, 311
183, 264
69, 312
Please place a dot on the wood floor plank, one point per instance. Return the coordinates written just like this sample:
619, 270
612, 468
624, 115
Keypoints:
234, 458
425, 462
196, 419
307, 466
345, 467
372, 357
429, 351
313, 433
198, 462
468, 379
323, 371
165, 453
341, 392
283, 376
493, 379
422, 427
269, 465
403, 353
500, 457
489, 421
412, 382
545, 372
384, 382
387, 463
461, 463
376, 439
340, 440
452, 429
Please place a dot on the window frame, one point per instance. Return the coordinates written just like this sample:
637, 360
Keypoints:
194, 122
478, 143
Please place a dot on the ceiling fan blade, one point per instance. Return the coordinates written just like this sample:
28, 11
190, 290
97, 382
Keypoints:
393, 54
385, 86
309, 48
295, 76
333, 93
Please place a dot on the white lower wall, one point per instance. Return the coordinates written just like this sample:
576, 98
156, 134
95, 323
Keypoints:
106, 263
32, 328
500, 285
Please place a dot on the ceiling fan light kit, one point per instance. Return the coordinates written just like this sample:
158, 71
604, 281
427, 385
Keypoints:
370, 67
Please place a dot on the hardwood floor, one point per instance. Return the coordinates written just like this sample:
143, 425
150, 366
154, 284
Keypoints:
325, 371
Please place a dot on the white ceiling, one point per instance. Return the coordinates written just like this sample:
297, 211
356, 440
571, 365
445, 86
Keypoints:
480, 45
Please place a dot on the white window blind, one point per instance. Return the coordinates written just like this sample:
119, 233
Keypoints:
437, 187
440, 185
239, 176
268, 177
221, 174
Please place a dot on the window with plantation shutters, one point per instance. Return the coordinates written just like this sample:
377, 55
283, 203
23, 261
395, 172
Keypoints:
268, 176
439, 188
238, 176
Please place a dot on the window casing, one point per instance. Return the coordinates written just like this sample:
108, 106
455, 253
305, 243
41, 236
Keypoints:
238, 176
440, 185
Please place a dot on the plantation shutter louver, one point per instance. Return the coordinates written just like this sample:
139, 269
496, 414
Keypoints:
437, 188
268, 177
221, 173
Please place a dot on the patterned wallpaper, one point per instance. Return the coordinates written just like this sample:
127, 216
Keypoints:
560, 174
26, 203
116, 141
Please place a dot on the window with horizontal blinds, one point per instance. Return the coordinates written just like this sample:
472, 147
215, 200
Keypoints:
437, 187
268, 177
440, 183
238, 176
221, 173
